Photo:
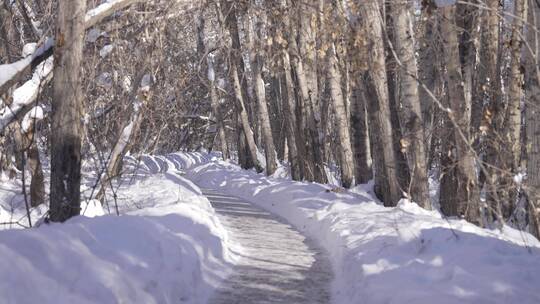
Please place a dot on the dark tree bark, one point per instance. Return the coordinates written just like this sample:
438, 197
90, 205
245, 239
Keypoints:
66, 111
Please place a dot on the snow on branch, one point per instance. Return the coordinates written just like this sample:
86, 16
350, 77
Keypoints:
13, 72
106, 9
445, 3
25, 95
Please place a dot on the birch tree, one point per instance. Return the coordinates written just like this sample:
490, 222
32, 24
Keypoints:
464, 193
532, 85
384, 153
512, 146
410, 112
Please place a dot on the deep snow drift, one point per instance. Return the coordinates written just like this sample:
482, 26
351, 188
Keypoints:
166, 247
393, 255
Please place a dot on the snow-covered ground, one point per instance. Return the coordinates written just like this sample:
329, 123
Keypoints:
167, 246
393, 255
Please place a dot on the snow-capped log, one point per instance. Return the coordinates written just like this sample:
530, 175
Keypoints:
12, 73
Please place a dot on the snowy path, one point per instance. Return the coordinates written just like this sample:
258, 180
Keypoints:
277, 264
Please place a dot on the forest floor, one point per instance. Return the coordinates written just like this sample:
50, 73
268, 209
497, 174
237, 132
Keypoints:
253, 239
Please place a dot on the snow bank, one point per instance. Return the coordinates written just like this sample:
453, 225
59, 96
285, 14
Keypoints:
167, 246
393, 255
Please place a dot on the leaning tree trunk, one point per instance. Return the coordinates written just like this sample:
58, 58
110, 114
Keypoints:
139, 97
532, 86
410, 112
243, 116
236, 64
465, 196
66, 111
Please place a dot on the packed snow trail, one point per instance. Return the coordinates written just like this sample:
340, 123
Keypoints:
276, 263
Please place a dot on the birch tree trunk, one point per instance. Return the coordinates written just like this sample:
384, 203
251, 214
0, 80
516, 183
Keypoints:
532, 85
342, 121
392, 79
384, 154
202, 49
465, 194
283, 38
512, 124
308, 82
496, 193
243, 116
126, 133
66, 111
410, 112
236, 64
257, 60
289, 107
216, 109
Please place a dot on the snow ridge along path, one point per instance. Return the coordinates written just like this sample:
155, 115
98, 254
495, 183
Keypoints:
276, 264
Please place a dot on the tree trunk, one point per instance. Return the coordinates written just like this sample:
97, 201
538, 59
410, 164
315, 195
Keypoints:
512, 123
202, 49
257, 60
392, 79
384, 154
410, 112
432, 83
342, 121
465, 194
127, 132
289, 107
236, 64
66, 111
216, 109
29, 146
532, 85
496, 193
243, 116
37, 185
360, 139
303, 60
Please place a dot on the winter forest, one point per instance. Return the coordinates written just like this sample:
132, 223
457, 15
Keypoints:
270, 151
